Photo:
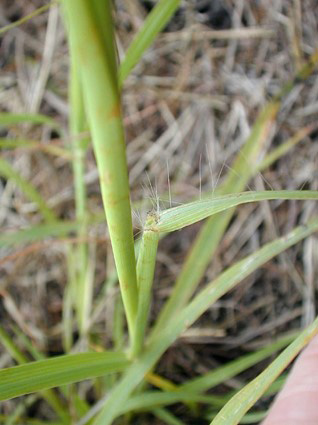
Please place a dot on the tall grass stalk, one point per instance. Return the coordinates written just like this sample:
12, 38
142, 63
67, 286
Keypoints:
145, 273
96, 59
79, 290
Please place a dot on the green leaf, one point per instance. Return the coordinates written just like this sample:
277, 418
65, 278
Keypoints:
44, 374
154, 23
185, 215
250, 418
30, 421
233, 368
167, 417
8, 119
31, 144
151, 399
28, 189
26, 18
39, 232
235, 409
95, 54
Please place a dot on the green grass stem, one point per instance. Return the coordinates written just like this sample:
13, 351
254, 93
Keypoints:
145, 273
79, 282
102, 103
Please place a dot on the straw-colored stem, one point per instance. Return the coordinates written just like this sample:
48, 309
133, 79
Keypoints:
102, 103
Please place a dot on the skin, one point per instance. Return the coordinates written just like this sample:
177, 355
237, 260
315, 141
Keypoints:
297, 403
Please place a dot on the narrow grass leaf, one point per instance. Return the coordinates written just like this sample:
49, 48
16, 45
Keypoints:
186, 317
253, 417
38, 233
150, 399
26, 18
154, 23
9, 119
185, 215
233, 368
27, 344
20, 409
11, 347
31, 144
167, 417
31, 421
235, 409
28, 189
49, 395
285, 147
44, 374
249, 418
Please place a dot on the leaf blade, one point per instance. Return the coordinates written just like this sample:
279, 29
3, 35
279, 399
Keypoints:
184, 215
49, 373
155, 21
236, 408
